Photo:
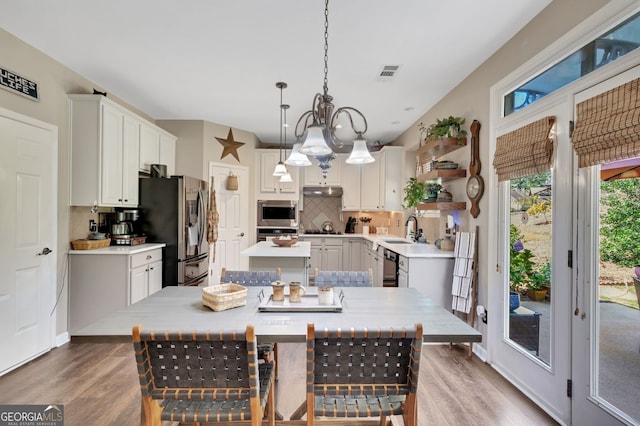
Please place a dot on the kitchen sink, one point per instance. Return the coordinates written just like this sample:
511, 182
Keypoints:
397, 241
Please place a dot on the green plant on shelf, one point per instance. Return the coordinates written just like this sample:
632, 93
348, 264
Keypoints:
450, 127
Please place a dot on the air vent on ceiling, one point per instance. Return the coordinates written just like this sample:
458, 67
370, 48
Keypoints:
388, 71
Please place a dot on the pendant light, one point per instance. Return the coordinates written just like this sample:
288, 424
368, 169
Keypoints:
280, 169
320, 123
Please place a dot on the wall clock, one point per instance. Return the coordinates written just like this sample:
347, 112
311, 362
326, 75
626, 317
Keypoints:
475, 184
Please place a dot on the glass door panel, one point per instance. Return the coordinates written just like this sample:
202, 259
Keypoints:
530, 255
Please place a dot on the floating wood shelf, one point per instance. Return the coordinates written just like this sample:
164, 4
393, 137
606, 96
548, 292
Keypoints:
440, 147
444, 175
442, 205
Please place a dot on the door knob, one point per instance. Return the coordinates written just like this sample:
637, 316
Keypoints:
45, 251
241, 234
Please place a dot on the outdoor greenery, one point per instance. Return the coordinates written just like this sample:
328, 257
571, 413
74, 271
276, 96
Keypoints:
539, 207
620, 222
524, 272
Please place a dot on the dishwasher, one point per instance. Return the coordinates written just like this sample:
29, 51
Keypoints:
390, 269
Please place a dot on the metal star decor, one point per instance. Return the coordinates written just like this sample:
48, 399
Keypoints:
230, 146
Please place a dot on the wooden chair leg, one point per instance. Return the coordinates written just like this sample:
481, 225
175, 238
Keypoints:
383, 420
150, 413
271, 403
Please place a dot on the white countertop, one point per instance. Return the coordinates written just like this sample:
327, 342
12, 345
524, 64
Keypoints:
269, 249
121, 250
411, 250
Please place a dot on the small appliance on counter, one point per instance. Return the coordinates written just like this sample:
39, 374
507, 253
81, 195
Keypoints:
123, 225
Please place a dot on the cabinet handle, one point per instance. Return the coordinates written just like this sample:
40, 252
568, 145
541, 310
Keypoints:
126, 200
119, 199
149, 257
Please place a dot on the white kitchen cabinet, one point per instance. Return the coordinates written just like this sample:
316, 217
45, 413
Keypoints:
313, 174
146, 275
374, 261
351, 184
432, 276
352, 254
269, 186
326, 253
403, 271
103, 283
104, 153
382, 180
156, 147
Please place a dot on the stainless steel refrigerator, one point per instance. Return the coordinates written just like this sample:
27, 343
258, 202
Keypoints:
174, 211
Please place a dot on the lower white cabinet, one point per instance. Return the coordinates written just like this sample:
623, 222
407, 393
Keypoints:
431, 276
145, 275
326, 254
100, 284
352, 254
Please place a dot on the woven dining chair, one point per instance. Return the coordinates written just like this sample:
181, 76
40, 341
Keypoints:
363, 373
203, 376
343, 278
249, 279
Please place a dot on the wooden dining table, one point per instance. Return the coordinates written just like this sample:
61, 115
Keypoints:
181, 308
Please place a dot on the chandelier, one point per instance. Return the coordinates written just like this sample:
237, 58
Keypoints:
320, 123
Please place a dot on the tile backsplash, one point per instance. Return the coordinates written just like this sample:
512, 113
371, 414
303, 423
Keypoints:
319, 209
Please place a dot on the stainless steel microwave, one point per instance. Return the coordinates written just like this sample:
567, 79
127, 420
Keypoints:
277, 213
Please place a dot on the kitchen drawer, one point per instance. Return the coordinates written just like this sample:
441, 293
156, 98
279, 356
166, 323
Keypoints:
143, 258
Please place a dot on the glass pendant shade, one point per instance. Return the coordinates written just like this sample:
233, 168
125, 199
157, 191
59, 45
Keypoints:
286, 177
280, 169
315, 143
360, 154
296, 158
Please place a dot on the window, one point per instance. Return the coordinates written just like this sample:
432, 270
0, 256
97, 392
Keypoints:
616, 43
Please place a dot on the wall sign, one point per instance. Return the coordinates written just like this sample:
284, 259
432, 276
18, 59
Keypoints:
18, 84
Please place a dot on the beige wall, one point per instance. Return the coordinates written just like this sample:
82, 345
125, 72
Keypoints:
470, 99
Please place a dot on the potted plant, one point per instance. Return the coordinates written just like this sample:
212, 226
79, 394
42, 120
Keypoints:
450, 127
414, 193
431, 191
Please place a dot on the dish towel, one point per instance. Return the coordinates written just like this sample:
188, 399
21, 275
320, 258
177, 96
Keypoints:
463, 272
213, 218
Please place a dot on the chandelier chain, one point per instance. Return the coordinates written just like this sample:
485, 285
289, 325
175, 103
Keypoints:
326, 47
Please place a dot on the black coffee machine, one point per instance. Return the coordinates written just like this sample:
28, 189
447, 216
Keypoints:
350, 228
123, 225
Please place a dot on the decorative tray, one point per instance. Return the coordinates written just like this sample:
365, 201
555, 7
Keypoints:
308, 303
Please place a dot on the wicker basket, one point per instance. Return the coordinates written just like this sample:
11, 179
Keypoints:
224, 296
90, 244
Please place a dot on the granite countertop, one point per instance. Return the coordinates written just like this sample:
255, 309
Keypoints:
121, 250
269, 249
410, 249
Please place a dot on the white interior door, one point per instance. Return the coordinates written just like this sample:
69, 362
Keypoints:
234, 231
28, 184
536, 357
606, 362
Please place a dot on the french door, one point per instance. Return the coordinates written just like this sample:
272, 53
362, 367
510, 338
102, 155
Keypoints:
605, 328
531, 343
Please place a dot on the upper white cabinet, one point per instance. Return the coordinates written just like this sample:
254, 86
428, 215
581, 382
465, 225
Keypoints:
106, 145
104, 153
269, 185
313, 174
378, 185
156, 147
351, 184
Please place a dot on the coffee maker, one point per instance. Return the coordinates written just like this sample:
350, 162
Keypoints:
123, 225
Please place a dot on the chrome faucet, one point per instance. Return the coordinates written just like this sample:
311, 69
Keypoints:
415, 230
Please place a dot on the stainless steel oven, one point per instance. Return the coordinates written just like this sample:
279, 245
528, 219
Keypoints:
265, 234
278, 213
390, 269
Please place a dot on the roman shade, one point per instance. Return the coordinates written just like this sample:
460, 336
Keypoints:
608, 126
524, 151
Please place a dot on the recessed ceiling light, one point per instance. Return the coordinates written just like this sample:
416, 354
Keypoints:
409, 108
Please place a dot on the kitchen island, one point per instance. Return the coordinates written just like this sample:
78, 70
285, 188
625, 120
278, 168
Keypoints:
292, 261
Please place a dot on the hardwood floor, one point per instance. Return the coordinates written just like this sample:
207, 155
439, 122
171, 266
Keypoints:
98, 385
